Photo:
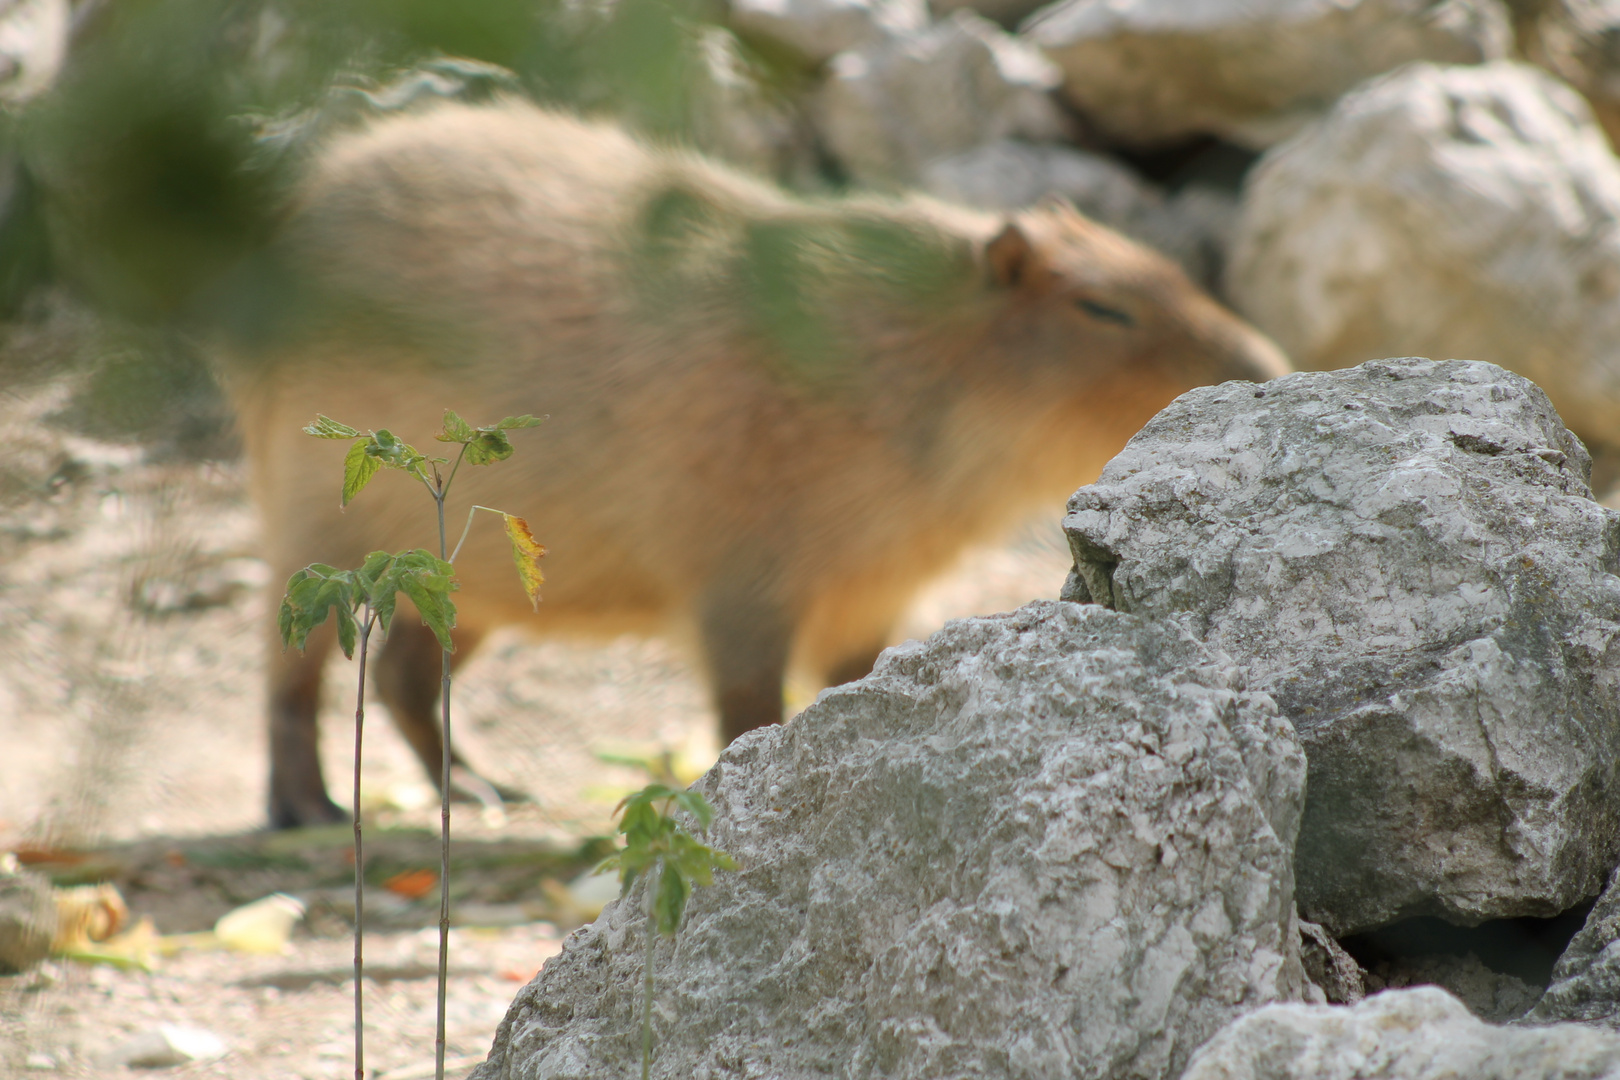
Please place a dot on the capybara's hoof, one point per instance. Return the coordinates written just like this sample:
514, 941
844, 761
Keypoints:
304, 813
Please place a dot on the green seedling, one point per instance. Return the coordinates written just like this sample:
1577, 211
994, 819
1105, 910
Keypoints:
658, 846
365, 598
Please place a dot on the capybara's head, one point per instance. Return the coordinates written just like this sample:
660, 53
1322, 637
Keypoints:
1101, 319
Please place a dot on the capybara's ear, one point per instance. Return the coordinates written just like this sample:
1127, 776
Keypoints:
1011, 256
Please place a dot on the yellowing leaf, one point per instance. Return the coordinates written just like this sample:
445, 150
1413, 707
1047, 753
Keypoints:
262, 926
526, 554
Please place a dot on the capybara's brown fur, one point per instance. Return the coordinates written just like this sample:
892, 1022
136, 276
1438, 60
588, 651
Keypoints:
771, 419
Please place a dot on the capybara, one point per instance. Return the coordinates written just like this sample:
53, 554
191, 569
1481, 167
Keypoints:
771, 418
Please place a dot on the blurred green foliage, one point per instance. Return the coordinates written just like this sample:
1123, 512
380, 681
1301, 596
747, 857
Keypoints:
150, 178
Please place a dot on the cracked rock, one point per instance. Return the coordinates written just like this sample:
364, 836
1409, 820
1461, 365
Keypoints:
1407, 557
1048, 843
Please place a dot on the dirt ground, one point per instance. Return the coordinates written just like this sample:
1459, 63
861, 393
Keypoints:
133, 614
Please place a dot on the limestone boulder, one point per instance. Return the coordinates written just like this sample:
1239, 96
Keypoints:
1586, 981
1418, 1034
1052, 843
1148, 71
1407, 557
1467, 211
888, 109
1579, 41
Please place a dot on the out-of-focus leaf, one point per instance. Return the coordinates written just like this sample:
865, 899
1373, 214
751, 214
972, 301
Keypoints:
526, 555
262, 926
324, 427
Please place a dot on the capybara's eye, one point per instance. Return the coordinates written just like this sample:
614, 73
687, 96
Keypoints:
1104, 313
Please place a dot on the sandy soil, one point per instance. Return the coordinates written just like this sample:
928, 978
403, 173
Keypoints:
133, 613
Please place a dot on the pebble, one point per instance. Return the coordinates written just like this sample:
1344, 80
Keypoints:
167, 1045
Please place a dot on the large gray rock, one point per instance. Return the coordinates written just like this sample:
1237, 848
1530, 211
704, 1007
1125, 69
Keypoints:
1418, 1034
1053, 843
1406, 555
1147, 71
890, 108
1586, 982
1471, 212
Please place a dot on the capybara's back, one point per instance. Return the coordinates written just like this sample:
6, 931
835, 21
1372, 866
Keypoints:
770, 419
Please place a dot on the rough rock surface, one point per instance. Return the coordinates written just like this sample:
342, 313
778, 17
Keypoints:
888, 109
1052, 843
1470, 212
1406, 555
1418, 1034
1193, 226
818, 30
1151, 70
1586, 983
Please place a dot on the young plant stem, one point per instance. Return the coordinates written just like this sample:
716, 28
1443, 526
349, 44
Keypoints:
359, 859
647, 974
440, 489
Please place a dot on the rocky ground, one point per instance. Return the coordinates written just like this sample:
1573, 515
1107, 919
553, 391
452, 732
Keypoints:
132, 617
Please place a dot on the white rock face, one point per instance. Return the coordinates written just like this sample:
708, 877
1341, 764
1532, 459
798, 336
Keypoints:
1579, 41
1407, 557
1467, 212
1053, 843
1418, 1034
818, 30
888, 109
1586, 983
1253, 71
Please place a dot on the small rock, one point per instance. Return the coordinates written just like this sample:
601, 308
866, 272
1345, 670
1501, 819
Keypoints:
1418, 1034
38, 1062
165, 1046
1329, 966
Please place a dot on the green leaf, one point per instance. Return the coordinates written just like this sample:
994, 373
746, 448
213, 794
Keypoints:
512, 423
426, 579
359, 466
670, 905
455, 429
488, 446
697, 806
325, 427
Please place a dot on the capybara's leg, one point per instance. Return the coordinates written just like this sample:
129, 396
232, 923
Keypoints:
297, 787
407, 677
745, 648
856, 664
